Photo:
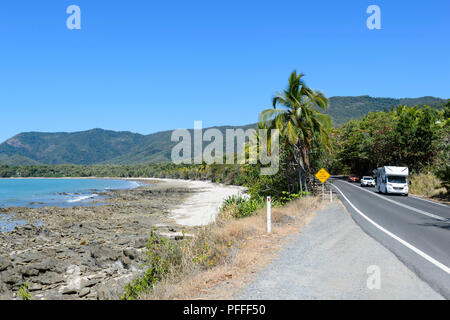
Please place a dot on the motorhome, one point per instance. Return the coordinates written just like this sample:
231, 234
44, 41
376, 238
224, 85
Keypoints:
392, 180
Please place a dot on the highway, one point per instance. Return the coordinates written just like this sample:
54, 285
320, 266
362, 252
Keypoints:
417, 231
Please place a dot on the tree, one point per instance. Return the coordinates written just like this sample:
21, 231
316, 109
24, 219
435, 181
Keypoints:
295, 113
443, 159
404, 136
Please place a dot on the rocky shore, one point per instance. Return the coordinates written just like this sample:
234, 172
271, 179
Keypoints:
86, 252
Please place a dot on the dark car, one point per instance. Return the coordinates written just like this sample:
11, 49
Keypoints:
353, 178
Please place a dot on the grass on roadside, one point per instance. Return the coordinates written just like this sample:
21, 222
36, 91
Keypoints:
172, 266
426, 184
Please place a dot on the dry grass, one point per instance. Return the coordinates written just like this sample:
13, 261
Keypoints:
241, 247
426, 184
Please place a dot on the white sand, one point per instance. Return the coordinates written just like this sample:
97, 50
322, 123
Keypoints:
203, 206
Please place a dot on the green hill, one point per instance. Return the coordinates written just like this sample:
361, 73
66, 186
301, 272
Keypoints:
87, 147
95, 146
15, 160
342, 109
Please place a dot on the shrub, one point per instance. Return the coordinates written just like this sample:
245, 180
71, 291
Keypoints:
163, 257
425, 184
288, 197
24, 292
239, 206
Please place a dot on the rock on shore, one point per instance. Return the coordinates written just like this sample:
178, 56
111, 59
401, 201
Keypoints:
84, 252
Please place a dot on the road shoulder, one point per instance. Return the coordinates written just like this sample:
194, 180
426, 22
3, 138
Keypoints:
333, 259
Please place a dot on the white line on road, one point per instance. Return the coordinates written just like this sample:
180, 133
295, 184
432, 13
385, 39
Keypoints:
408, 245
433, 202
431, 215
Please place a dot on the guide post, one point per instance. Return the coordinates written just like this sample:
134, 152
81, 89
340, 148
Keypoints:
323, 192
269, 218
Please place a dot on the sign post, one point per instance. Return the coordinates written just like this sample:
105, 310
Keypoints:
269, 218
323, 176
323, 192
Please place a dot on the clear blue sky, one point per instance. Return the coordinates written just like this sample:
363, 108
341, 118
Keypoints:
146, 66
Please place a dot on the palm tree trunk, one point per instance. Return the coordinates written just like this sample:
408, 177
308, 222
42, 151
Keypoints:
306, 166
300, 179
298, 161
306, 184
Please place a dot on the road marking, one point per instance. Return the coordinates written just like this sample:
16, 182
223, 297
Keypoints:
431, 215
438, 264
433, 202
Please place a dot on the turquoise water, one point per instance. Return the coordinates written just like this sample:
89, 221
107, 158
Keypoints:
56, 192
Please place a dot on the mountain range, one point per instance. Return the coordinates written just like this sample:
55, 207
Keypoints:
98, 146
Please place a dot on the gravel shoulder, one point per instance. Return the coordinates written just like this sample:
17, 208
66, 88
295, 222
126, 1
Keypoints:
331, 259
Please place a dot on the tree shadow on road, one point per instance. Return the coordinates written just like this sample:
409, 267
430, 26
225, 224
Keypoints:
440, 224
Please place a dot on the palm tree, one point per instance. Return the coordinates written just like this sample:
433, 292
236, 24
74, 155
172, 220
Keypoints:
295, 113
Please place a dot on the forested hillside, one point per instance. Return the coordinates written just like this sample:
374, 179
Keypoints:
95, 146
342, 109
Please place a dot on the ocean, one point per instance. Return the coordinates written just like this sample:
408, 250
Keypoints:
56, 192
52, 192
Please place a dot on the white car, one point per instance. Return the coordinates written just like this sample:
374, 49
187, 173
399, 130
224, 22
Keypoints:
367, 182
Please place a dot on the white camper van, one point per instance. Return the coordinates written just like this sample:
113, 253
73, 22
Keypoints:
392, 180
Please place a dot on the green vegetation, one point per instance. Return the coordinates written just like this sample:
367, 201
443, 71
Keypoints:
239, 206
24, 292
93, 147
217, 173
416, 137
343, 109
300, 124
171, 259
443, 157
163, 257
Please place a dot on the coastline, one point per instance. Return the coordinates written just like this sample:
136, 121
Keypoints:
92, 252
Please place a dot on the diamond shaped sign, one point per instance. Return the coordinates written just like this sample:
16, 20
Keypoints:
322, 175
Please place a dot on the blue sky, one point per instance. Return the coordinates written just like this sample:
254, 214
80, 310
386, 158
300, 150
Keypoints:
146, 66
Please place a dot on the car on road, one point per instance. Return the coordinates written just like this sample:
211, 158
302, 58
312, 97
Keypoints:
367, 182
353, 178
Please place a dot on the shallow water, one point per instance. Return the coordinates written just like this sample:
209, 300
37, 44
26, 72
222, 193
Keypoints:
56, 192
52, 192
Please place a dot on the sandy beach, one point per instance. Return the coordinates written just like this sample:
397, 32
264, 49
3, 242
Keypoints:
202, 207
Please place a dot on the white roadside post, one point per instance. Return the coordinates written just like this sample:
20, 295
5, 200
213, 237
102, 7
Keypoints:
331, 194
323, 193
269, 219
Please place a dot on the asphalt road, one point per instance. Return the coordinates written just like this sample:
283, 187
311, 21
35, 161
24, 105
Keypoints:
417, 231
331, 259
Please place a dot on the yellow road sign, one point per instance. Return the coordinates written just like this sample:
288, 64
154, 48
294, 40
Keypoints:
322, 175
